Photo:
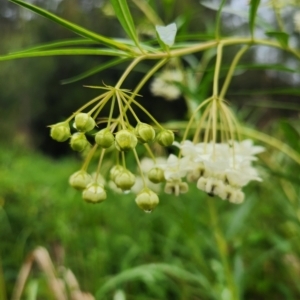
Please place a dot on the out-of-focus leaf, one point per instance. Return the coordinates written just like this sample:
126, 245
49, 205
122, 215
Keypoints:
124, 16
94, 70
281, 37
57, 44
2, 284
252, 14
238, 219
71, 26
292, 135
151, 273
167, 33
218, 18
69, 51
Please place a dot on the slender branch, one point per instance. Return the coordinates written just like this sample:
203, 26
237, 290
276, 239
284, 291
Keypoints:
231, 70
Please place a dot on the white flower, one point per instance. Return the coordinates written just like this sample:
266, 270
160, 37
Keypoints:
219, 169
163, 85
176, 187
175, 168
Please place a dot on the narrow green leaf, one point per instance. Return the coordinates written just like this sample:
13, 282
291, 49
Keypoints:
218, 19
124, 16
94, 70
71, 26
291, 134
281, 37
58, 44
252, 14
77, 51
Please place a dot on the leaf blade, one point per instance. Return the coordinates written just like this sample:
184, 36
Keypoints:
93, 71
71, 26
124, 16
254, 4
58, 52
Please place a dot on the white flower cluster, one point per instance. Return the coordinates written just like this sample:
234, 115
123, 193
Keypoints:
163, 85
219, 169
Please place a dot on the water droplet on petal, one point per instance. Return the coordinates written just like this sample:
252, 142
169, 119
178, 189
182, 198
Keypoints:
148, 211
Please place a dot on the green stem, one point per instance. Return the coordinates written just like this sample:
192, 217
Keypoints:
231, 70
217, 70
128, 70
277, 15
223, 249
139, 166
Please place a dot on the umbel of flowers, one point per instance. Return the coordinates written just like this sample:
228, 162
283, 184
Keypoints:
214, 160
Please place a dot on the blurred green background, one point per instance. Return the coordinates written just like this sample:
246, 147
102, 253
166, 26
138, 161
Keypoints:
114, 249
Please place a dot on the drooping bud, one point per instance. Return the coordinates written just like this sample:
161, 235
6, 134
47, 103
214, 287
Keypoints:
156, 175
165, 137
144, 132
147, 200
104, 138
80, 179
79, 141
84, 122
94, 193
124, 180
125, 140
60, 131
114, 171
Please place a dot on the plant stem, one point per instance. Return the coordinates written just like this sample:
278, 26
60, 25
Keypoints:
223, 249
217, 71
231, 70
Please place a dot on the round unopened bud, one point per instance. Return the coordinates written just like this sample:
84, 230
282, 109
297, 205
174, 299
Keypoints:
84, 122
114, 171
165, 137
80, 179
156, 175
94, 193
60, 131
104, 138
125, 140
124, 180
147, 200
144, 132
79, 141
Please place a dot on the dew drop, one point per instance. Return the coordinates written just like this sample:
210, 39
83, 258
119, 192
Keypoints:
148, 211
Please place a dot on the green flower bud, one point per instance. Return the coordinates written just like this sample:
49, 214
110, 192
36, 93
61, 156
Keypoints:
94, 193
79, 141
115, 170
60, 131
165, 138
104, 138
124, 180
147, 200
84, 122
79, 180
125, 140
145, 132
156, 175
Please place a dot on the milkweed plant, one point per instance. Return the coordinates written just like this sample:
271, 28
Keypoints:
211, 149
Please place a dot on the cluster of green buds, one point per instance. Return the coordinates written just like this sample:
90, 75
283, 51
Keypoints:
118, 136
